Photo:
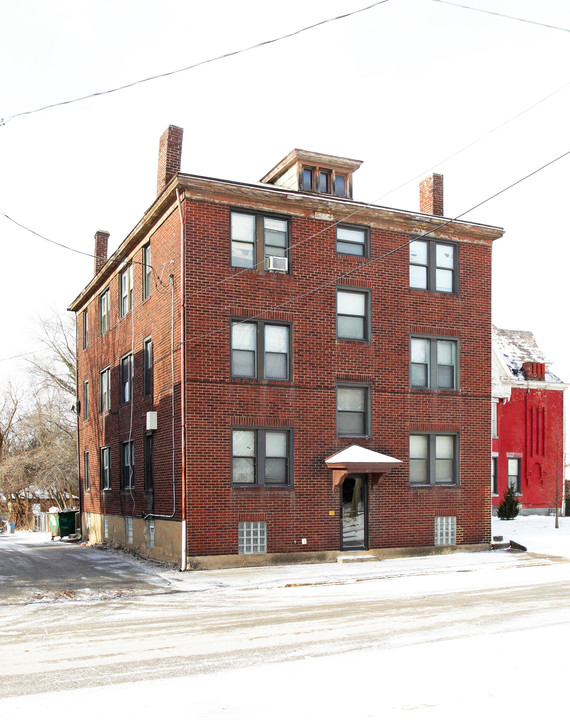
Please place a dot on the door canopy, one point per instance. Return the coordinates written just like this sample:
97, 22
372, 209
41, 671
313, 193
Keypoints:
356, 459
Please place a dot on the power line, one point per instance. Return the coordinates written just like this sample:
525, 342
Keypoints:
232, 53
509, 17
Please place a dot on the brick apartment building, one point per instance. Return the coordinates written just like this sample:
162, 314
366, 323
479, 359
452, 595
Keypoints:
528, 424
273, 370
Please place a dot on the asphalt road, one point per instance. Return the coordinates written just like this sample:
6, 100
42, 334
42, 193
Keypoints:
117, 622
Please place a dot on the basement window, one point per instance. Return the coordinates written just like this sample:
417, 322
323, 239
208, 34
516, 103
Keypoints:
252, 537
445, 530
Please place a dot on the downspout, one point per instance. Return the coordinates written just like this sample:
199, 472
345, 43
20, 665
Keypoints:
184, 539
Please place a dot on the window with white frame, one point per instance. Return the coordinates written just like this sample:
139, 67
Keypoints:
126, 290
353, 315
105, 390
252, 537
352, 240
433, 459
514, 473
261, 457
260, 350
126, 366
433, 266
352, 410
105, 467
494, 418
434, 363
128, 465
147, 271
255, 238
104, 309
445, 530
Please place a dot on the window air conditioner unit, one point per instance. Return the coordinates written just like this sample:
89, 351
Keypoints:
277, 264
151, 423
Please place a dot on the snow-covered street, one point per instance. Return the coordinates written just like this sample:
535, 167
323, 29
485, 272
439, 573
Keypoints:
430, 636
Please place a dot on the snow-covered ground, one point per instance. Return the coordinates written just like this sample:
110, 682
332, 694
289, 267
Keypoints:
470, 666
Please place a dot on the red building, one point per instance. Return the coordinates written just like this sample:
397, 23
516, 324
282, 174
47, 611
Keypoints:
274, 370
528, 423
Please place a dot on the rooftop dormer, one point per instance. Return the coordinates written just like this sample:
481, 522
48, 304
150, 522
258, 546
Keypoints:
315, 173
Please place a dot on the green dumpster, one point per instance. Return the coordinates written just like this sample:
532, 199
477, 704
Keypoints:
66, 522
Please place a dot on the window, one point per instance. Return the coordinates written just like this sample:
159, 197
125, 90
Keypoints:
352, 314
514, 471
104, 306
261, 457
352, 241
105, 468
127, 378
126, 289
129, 530
148, 463
147, 367
86, 470
128, 465
433, 266
147, 271
352, 410
494, 486
252, 537
494, 418
105, 390
445, 530
324, 180
255, 238
86, 400
85, 329
433, 363
260, 350
433, 459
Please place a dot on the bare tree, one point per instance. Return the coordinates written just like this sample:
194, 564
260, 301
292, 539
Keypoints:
56, 366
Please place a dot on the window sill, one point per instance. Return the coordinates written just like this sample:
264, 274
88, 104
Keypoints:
436, 391
260, 381
440, 293
434, 485
252, 486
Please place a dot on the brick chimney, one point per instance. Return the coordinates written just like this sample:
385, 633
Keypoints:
533, 370
169, 156
101, 245
431, 195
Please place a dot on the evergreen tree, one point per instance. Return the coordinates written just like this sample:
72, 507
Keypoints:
509, 506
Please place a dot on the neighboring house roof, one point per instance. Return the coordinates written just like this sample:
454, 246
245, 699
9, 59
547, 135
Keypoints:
512, 348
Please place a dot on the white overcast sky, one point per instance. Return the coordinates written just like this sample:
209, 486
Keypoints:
402, 86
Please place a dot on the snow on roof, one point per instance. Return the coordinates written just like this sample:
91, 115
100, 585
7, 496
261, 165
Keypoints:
517, 347
357, 454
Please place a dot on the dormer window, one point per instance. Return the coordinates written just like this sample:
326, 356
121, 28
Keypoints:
314, 172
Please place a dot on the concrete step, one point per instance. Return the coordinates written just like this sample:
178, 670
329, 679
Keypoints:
355, 558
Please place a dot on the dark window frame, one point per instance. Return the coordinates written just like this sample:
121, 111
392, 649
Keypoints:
86, 400
367, 413
105, 390
126, 374
432, 459
431, 266
433, 365
148, 367
259, 351
85, 317
146, 271
494, 476
149, 462
259, 255
367, 329
331, 175
365, 244
105, 467
86, 479
260, 456
128, 465
104, 310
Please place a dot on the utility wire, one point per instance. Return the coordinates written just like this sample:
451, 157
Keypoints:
232, 53
509, 17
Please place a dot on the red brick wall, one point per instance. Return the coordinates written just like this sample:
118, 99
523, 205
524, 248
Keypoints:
399, 515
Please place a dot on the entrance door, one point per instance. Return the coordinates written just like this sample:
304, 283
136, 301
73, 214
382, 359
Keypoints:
354, 513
